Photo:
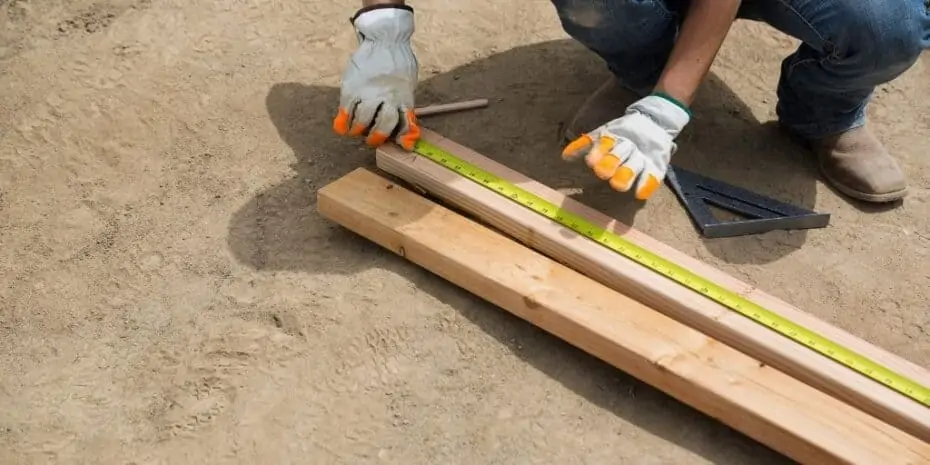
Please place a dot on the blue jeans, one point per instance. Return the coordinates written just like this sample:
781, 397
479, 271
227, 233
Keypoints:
848, 47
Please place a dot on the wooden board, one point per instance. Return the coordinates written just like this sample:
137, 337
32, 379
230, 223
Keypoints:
781, 412
671, 298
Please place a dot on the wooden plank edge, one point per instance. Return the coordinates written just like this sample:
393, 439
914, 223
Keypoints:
767, 405
919, 373
664, 295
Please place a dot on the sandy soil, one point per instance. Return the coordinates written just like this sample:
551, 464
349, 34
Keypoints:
168, 293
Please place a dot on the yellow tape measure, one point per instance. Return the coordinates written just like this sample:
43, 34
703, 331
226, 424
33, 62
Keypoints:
721, 295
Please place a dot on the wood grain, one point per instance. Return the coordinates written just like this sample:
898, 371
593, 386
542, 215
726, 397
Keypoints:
634, 280
781, 412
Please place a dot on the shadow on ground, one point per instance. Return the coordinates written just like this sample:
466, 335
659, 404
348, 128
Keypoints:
533, 91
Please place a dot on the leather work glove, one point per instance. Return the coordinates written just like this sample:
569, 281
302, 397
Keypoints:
634, 149
380, 79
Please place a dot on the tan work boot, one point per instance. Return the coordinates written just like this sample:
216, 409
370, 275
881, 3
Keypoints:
606, 104
857, 164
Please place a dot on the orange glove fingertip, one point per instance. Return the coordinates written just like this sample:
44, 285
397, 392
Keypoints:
623, 179
408, 143
410, 138
376, 139
341, 122
357, 129
606, 166
648, 188
577, 146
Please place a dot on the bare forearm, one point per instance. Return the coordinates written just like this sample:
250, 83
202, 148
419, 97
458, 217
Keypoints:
702, 33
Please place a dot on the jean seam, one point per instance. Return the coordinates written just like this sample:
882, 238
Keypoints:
805, 61
827, 43
832, 55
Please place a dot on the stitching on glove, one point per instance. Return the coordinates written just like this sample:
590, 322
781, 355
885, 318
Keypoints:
647, 115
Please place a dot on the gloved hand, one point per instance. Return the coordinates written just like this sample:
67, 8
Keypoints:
381, 73
636, 147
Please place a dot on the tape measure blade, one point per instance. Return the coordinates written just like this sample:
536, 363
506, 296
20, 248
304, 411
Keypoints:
618, 244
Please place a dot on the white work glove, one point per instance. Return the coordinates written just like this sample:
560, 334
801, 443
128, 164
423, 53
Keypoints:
635, 148
381, 73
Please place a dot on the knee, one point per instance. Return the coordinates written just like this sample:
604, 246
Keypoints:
883, 35
613, 27
582, 14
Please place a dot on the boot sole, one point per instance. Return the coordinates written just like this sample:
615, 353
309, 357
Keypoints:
864, 196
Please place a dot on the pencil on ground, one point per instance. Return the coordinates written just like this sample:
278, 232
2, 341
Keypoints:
450, 107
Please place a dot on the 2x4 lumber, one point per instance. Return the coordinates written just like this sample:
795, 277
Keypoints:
665, 295
790, 417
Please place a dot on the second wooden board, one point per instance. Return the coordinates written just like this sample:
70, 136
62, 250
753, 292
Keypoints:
775, 409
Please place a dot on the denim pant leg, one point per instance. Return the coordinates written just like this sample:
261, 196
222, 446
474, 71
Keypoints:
633, 37
848, 48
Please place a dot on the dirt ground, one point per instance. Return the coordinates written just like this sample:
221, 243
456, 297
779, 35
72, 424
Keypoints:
168, 293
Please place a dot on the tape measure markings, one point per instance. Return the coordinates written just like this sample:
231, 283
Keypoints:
679, 274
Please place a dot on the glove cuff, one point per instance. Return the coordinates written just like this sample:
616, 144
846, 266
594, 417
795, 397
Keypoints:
666, 112
366, 9
675, 101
